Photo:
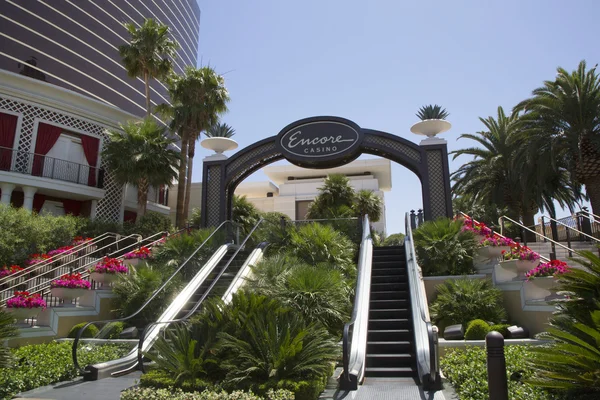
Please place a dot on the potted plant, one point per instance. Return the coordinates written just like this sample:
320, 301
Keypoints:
24, 305
42, 263
69, 287
80, 242
478, 228
545, 275
133, 257
494, 246
433, 121
218, 138
521, 258
60, 255
107, 270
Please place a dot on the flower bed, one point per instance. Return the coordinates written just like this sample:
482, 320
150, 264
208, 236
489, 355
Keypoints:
496, 241
142, 253
78, 240
552, 268
523, 253
6, 271
61, 251
479, 228
26, 300
109, 266
70, 281
38, 258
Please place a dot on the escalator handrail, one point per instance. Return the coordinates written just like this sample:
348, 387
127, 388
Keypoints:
426, 340
156, 292
354, 350
198, 303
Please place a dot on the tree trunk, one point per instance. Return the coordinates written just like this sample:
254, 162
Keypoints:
188, 184
147, 84
179, 219
142, 198
592, 188
528, 216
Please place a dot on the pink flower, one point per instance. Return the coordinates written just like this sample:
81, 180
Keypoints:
552, 268
70, 281
109, 266
25, 300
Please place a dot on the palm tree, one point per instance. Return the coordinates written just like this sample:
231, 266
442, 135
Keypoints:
367, 202
140, 154
148, 54
198, 98
335, 199
562, 120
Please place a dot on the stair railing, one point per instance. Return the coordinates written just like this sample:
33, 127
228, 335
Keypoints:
553, 243
567, 230
105, 323
354, 344
151, 331
426, 335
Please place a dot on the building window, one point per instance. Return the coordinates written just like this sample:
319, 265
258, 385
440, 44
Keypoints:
302, 209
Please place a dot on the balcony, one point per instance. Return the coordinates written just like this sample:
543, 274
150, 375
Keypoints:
32, 164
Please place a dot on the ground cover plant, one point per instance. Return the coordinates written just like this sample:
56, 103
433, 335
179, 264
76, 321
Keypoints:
44, 364
466, 370
177, 394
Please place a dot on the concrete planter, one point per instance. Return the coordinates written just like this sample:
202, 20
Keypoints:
104, 279
23, 313
430, 127
133, 262
492, 251
68, 294
219, 144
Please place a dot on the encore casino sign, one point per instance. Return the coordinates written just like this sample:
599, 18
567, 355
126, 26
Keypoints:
322, 142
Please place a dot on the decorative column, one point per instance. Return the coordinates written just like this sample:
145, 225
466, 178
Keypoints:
28, 193
93, 208
7, 189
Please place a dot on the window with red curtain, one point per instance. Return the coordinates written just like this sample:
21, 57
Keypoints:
72, 207
8, 131
90, 149
47, 135
38, 202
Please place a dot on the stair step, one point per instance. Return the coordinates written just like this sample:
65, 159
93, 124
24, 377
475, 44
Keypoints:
388, 257
391, 323
381, 304
399, 346
389, 295
389, 313
392, 335
398, 372
389, 279
386, 287
389, 360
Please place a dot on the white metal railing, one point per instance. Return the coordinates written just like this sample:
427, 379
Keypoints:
355, 332
426, 335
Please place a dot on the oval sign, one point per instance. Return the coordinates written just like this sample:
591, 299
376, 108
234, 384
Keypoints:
324, 143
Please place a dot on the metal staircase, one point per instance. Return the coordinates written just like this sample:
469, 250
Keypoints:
390, 337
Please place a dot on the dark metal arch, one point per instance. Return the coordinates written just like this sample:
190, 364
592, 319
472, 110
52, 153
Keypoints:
428, 162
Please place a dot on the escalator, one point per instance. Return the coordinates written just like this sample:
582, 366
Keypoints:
390, 334
220, 275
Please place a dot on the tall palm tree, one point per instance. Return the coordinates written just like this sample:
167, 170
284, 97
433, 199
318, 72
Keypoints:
198, 98
367, 202
562, 120
148, 54
505, 173
141, 154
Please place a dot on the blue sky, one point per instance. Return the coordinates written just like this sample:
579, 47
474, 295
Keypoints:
377, 62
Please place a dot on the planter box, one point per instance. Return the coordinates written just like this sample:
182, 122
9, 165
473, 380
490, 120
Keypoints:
133, 262
524, 266
492, 251
23, 313
541, 289
104, 279
68, 294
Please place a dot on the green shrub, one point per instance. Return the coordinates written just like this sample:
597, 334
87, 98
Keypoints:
112, 330
459, 301
152, 223
97, 227
477, 329
25, 233
270, 230
90, 332
142, 393
466, 370
443, 248
7, 330
161, 379
245, 214
396, 239
44, 364
502, 328
321, 244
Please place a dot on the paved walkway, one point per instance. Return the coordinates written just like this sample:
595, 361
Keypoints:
103, 389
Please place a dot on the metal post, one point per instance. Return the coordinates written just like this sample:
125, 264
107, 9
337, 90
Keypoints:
502, 226
544, 229
524, 235
496, 366
282, 223
569, 241
554, 231
420, 217
413, 220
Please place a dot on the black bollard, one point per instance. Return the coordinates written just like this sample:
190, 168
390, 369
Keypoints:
496, 366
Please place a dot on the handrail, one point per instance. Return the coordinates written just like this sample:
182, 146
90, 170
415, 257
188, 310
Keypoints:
156, 292
426, 335
573, 229
44, 285
53, 259
198, 303
354, 348
536, 233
